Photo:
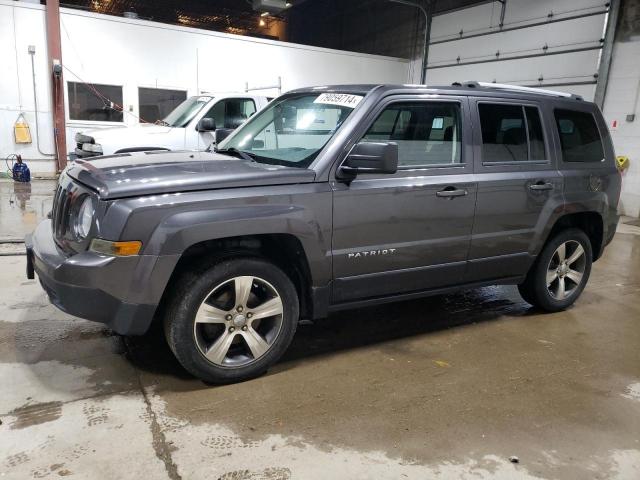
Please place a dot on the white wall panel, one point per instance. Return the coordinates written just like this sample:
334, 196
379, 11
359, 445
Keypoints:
555, 69
621, 100
525, 10
585, 32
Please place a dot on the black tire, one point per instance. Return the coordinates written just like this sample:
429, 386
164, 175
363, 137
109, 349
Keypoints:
193, 289
534, 289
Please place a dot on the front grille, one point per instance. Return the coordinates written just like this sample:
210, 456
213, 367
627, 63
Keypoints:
61, 210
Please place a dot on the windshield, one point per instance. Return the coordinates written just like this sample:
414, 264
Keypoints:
291, 131
184, 112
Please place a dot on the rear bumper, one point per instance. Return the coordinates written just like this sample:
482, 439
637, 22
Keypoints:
87, 285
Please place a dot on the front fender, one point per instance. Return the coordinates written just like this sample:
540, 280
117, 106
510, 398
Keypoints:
170, 224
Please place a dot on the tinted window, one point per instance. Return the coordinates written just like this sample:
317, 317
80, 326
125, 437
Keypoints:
156, 103
511, 133
231, 112
95, 102
536, 138
504, 135
426, 133
579, 136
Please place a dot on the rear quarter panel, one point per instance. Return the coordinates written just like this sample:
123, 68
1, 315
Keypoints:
592, 186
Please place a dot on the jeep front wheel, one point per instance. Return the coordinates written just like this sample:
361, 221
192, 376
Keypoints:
232, 321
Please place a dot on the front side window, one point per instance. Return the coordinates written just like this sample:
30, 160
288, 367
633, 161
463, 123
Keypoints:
231, 112
156, 103
427, 133
185, 112
511, 133
579, 136
292, 130
95, 102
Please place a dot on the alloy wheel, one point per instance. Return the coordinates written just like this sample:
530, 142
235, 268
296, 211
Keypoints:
238, 321
566, 270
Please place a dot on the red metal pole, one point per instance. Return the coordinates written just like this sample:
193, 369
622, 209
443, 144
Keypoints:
54, 49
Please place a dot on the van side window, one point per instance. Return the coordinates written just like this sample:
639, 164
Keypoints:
511, 133
427, 133
579, 136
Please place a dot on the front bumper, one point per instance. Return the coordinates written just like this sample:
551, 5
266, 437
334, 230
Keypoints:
88, 285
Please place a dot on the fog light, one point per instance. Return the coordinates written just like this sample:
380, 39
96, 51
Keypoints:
118, 249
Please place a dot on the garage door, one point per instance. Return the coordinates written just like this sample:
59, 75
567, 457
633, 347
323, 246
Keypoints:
543, 43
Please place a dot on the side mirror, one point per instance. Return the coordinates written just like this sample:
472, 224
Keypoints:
371, 157
220, 134
206, 125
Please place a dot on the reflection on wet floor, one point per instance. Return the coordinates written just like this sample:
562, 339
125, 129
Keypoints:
23, 205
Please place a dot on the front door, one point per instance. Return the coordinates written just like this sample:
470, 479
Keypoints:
408, 231
519, 187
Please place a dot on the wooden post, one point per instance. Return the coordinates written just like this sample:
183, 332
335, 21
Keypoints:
54, 49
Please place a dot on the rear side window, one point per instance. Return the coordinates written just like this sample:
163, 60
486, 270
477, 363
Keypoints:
579, 136
427, 133
511, 133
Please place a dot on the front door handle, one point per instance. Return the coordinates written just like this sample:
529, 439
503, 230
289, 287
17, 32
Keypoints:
451, 192
541, 186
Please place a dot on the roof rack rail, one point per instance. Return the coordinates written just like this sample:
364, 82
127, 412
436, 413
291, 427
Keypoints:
517, 88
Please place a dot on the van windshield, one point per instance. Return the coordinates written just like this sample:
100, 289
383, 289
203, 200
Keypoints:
292, 130
185, 112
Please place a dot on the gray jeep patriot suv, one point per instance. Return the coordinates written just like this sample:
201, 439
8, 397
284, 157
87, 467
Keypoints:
332, 198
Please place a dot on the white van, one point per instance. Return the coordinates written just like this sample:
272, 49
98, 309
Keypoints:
189, 127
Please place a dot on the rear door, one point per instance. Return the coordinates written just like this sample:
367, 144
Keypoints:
408, 231
519, 186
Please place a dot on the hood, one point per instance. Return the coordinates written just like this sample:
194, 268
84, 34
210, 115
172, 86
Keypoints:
125, 135
150, 173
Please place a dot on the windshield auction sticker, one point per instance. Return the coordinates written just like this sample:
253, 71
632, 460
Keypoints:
340, 99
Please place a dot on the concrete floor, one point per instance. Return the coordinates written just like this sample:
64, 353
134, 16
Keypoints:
446, 387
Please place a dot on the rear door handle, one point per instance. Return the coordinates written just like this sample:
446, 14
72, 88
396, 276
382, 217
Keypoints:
451, 192
541, 186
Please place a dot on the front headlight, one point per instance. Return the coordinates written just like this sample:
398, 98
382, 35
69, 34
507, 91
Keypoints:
84, 218
92, 147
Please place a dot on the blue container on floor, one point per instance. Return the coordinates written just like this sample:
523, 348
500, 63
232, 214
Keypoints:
21, 172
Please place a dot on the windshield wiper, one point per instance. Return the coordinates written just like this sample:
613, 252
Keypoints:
162, 123
238, 153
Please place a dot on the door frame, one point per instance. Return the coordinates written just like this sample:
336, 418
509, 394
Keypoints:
467, 153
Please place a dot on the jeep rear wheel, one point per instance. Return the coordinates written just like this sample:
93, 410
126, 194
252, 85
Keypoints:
560, 273
232, 321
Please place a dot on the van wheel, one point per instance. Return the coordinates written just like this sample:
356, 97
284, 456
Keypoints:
560, 273
232, 321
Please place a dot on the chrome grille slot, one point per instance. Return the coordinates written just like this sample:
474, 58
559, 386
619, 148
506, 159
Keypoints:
61, 211
55, 214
